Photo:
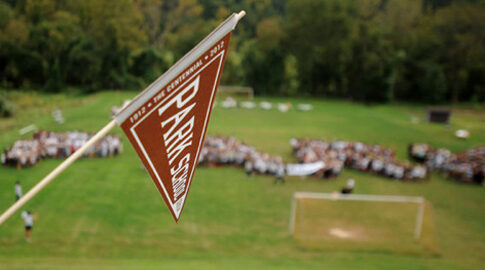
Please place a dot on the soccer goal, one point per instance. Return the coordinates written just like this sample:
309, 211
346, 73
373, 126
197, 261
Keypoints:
236, 92
359, 221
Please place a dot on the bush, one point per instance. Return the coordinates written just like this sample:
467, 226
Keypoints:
6, 106
148, 64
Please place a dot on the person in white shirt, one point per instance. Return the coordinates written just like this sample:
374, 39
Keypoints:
398, 172
377, 165
29, 223
280, 174
18, 190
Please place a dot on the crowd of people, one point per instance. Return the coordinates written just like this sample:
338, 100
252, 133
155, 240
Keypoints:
44, 144
468, 166
230, 103
356, 155
228, 151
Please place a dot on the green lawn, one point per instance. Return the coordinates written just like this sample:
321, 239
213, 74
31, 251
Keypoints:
107, 214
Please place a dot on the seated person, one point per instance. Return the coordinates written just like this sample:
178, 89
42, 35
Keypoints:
349, 187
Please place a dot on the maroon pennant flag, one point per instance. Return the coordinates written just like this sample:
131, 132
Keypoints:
167, 122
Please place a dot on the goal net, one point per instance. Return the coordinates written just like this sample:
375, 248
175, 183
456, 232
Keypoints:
400, 224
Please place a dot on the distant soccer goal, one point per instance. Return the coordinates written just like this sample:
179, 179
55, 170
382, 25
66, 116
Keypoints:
362, 222
236, 92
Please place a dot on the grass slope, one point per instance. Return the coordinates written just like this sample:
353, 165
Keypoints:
107, 214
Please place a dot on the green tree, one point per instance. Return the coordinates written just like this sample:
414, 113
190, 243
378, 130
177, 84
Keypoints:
372, 69
263, 61
163, 18
148, 64
461, 32
319, 35
6, 14
264, 69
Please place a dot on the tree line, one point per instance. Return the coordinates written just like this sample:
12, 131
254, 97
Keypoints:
430, 51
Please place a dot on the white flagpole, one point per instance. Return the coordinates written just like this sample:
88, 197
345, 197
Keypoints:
240, 15
66, 163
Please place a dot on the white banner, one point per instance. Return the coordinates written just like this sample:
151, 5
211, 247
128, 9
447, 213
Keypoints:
302, 169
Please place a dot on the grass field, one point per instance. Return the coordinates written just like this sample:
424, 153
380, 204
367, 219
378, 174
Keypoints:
107, 214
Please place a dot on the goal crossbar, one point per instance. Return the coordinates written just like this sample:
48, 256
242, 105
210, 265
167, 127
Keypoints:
360, 197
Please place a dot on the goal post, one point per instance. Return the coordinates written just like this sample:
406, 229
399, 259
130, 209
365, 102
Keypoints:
236, 92
370, 218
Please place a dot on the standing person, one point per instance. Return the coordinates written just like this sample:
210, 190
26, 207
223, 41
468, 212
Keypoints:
280, 174
29, 223
248, 166
18, 190
4, 157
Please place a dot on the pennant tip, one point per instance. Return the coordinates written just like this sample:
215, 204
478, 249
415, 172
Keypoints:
176, 217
